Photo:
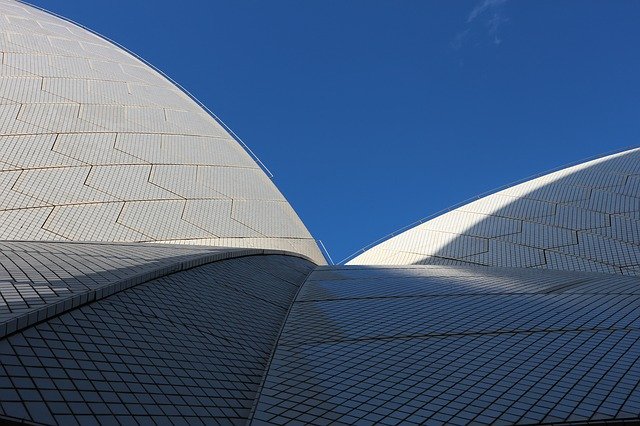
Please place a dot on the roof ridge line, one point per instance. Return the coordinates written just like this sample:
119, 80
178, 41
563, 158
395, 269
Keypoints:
276, 343
77, 300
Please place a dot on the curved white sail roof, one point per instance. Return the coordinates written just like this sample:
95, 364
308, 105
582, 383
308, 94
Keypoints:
585, 217
95, 145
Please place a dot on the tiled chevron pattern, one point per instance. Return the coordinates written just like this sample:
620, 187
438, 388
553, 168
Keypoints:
97, 146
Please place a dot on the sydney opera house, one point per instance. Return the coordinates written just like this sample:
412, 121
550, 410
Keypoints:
151, 273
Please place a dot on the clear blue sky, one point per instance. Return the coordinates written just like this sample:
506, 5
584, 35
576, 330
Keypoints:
374, 114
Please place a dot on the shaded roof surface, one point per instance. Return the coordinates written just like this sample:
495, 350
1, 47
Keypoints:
204, 340
39, 280
453, 345
189, 346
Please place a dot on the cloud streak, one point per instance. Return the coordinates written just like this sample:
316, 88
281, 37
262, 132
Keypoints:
483, 7
493, 24
489, 13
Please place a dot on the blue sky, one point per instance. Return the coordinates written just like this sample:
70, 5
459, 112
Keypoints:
374, 114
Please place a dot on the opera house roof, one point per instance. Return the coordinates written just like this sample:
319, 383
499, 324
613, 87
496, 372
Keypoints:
152, 273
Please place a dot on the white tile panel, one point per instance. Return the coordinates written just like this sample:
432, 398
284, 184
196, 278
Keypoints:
12, 199
604, 250
194, 123
152, 118
107, 51
17, 8
55, 118
504, 254
60, 185
142, 73
10, 125
239, 183
66, 45
556, 260
576, 218
631, 186
108, 69
447, 244
94, 222
205, 151
151, 94
127, 182
33, 151
86, 91
31, 43
622, 229
146, 147
47, 65
591, 178
9, 71
55, 29
26, 224
183, 181
39, 44
556, 193
112, 118
542, 236
510, 207
277, 217
627, 164
609, 202
398, 257
28, 90
214, 215
474, 224
160, 220
23, 23
383, 256
35, 65
93, 148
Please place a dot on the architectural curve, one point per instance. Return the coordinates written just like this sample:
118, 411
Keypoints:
100, 153
581, 218
188, 346
98, 146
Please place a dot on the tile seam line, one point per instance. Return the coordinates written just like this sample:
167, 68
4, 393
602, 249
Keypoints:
17, 421
49, 311
620, 421
426, 336
272, 355
463, 295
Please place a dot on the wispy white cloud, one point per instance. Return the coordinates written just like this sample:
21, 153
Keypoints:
493, 25
483, 7
487, 12
457, 41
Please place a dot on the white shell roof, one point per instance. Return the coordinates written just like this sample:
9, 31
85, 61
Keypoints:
95, 145
581, 218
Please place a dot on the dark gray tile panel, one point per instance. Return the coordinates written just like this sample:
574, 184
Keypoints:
41, 279
456, 345
188, 348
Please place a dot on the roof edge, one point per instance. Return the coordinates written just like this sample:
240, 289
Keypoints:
46, 312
